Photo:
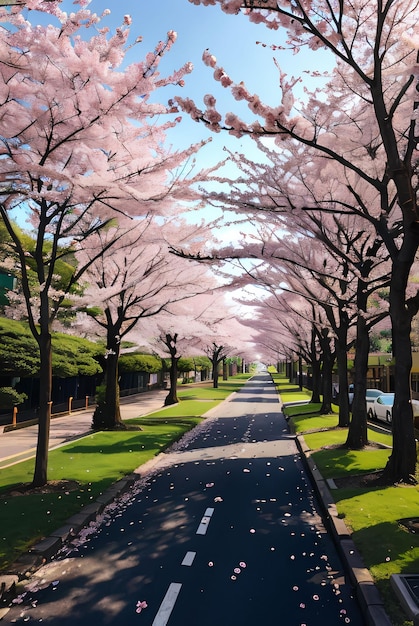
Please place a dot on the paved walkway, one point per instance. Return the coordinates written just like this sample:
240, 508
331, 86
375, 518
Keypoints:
17, 445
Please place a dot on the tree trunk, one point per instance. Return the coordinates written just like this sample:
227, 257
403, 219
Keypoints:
358, 434
40, 477
341, 347
300, 373
401, 466
327, 360
107, 415
215, 374
170, 343
316, 381
225, 370
172, 397
315, 368
112, 405
342, 361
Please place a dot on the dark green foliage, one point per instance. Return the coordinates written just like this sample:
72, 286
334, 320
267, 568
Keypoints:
73, 355
18, 349
185, 364
19, 353
202, 363
139, 363
9, 397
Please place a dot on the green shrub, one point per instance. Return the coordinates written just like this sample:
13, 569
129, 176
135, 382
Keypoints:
139, 363
9, 397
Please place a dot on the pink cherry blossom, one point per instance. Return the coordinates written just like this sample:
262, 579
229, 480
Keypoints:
141, 605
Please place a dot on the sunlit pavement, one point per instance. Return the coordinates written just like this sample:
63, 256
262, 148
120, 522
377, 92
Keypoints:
224, 531
19, 444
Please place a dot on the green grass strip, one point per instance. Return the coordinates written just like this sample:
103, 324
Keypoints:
386, 546
304, 423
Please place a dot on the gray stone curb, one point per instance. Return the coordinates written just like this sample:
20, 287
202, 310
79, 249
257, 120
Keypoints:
361, 579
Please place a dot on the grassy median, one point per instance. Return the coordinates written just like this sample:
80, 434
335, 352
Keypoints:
90, 465
375, 514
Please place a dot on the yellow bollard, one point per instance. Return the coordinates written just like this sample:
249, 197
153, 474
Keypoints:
14, 420
87, 402
70, 402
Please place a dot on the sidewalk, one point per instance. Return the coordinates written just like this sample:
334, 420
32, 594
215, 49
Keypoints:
20, 444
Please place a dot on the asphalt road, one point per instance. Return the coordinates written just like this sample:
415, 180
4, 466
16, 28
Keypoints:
225, 531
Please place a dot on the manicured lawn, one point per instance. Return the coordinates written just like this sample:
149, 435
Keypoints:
339, 462
296, 410
386, 547
206, 392
304, 423
185, 409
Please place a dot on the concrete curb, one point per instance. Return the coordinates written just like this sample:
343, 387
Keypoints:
365, 589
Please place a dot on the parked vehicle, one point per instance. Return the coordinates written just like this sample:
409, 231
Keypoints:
382, 407
350, 395
371, 395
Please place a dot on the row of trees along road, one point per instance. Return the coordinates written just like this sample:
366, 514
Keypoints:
340, 166
83, 162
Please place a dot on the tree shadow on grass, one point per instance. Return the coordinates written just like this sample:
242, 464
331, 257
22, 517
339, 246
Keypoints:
338, 461
384, 543
142, 441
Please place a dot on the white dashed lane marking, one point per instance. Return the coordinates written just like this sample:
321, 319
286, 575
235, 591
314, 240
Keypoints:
203, 526
167, 605
169, 600
188, 559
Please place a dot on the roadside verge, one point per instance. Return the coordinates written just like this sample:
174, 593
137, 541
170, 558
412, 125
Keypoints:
361, 579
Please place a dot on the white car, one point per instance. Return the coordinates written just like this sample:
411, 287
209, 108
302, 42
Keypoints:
382, 407
370, 396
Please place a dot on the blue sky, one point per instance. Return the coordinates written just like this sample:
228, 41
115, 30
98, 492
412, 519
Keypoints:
231, 38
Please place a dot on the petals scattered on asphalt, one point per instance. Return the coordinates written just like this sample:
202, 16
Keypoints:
141, 604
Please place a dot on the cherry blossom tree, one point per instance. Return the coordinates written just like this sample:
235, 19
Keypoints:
137, 280
363, 125
80, 146
327, 258
204, 324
